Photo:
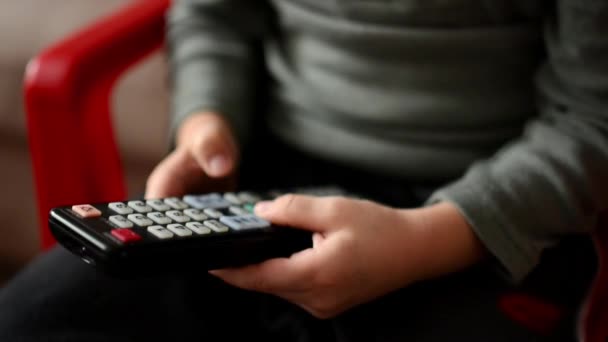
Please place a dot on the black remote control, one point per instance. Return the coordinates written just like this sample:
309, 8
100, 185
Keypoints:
196, 231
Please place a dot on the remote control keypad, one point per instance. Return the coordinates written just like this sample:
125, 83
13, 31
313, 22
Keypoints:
121, 221
198, 228
244, 222
159, 218
158, 205
195, 214
160, 232
140, 206
183, 217
213, 201
238, 210
179, 230
126, 235
178, 216
140, 220
176, 203
213, 213
216, 226
86, 211
120, 208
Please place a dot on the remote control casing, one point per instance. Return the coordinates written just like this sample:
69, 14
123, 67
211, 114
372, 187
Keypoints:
90, 239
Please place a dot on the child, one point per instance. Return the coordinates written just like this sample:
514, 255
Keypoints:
477, 129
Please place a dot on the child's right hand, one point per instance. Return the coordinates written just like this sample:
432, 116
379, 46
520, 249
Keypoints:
205, 159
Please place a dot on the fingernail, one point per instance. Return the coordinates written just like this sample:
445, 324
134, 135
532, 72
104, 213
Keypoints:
218, 165
263, 206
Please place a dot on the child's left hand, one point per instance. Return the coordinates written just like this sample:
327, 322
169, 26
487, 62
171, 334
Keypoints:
361, 250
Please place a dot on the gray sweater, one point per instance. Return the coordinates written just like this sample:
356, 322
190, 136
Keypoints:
510, 98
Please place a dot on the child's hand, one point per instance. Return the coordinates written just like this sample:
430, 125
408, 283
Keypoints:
204, 159
361, 250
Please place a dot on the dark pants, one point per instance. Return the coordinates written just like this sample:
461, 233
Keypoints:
59, 298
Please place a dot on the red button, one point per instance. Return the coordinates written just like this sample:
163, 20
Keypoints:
126, 235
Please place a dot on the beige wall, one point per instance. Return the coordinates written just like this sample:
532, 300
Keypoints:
26, 27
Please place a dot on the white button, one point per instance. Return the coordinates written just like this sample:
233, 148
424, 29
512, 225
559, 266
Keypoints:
213, 200
160, 232
179, 230
176, 203
216, 226
198, 227
120, 221
158, 205
140, 220
232, 198
195, 214
213, 213
120, 208
178, 216
244, 222
159, 218
140, 206
238, 211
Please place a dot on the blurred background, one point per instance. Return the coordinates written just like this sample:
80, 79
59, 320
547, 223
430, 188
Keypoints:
140, 102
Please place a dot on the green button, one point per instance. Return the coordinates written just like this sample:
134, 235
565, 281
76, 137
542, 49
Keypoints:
249, 207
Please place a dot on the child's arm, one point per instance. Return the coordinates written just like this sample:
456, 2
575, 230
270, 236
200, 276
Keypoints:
212, 50
211, 47
549, 183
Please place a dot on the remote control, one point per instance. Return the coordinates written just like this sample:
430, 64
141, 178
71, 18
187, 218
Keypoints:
200, 231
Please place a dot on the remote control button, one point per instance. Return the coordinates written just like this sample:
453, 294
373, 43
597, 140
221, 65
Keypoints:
238, 211
177, 216
198, 228
195, 214
213, 213
249, 207
86, 210
120, 208
214, 201
140, 220
233, 198
140, 206
248, 197
176, 203
244, 222
179, 230
160, 232
216, 226
159, 218
158, 205
120, 221
125, 235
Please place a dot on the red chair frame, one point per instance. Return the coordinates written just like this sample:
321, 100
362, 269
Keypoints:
67, 92
74, 154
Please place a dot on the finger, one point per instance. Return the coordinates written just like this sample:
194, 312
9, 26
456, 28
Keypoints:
277, 275
173, 176
214, 149
317, 214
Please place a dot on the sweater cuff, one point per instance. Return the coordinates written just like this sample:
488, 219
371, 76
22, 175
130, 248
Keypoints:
208, 87
514, 256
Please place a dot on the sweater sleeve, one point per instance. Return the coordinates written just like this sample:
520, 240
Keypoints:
553, 180
211, 48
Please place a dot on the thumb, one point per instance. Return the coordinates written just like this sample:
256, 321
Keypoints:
316, 214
